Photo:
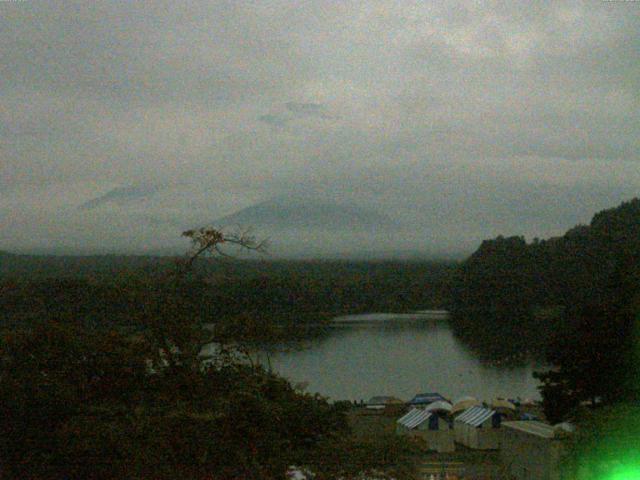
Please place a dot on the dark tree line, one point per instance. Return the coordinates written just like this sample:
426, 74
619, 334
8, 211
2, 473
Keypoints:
573, 299
285, 293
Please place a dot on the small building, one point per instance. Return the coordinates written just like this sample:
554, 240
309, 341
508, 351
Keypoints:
532, 450
478, 428
428, 426
424, 399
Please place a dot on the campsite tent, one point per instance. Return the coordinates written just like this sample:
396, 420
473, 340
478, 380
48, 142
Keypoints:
417, 419
435, 431
463, 404
477, 427
424, 399
439, 406
504, 407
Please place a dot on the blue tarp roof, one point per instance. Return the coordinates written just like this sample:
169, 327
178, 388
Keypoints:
426, 398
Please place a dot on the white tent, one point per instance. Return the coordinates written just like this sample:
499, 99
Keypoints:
477, 427
418, 419
439, 406
463, 404
428, 426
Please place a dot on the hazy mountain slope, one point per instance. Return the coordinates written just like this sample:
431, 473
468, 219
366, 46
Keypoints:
311, 227
305, 213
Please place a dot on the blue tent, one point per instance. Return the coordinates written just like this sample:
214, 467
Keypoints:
528, 416
426, 398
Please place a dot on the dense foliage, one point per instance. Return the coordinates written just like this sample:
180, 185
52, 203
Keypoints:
574, 298
285, 292
107, 380
526, 286
80, 404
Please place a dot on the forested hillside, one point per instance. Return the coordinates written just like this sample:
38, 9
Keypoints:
529, 293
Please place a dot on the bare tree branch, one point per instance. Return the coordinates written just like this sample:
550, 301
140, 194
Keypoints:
211, 241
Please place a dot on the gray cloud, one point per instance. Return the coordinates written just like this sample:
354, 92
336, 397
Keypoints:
295, 111
465, 121
275, 120
307, 109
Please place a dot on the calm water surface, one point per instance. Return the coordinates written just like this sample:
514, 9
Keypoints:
360, 356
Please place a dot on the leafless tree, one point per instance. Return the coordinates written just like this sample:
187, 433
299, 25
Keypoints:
212, 241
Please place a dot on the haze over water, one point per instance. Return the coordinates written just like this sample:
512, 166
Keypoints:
399, 356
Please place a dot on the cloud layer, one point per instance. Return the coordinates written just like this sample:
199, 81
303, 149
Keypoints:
463, 121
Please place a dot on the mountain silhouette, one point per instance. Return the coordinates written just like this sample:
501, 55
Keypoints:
283, 213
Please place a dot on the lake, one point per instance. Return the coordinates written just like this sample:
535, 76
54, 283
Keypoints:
360, 356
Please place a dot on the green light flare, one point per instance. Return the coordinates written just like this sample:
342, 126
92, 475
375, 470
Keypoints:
625, 473
607, 446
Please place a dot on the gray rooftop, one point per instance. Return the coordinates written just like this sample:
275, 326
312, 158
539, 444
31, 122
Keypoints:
532, 427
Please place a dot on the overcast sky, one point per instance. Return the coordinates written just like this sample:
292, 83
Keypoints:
123, 123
